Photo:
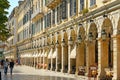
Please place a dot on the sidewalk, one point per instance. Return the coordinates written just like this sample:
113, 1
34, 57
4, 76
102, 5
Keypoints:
30, 73
43, 72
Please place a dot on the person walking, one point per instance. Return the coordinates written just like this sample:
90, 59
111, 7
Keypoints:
11, 66
6, 63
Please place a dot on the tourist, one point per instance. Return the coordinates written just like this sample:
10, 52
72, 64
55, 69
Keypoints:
6, 63
11, 66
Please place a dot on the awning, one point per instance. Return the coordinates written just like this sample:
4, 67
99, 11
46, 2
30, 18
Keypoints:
54, 54
50, 54
73, 53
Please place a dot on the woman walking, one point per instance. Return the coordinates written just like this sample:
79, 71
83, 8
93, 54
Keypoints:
11, 66
6, 63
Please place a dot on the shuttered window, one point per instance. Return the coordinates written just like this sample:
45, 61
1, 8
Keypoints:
45, 21
58, 14
53, 17
72, 7
81, 5
92, 2
64, 9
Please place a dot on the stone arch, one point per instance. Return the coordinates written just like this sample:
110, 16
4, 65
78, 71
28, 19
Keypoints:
93, 30
81, 32
107, 26
73, 34
118, 26
106, 47
59, 37
92, 48
65, 36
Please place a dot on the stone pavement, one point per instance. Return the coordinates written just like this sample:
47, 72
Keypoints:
30, 73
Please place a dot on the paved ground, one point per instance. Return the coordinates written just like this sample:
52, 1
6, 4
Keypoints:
29, 73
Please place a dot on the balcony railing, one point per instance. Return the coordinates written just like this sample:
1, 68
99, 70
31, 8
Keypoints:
37, 14
52, 3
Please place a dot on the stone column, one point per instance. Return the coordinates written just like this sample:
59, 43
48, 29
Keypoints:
57, 56
51, 59
80, 56
63, 61
69, 59
116, 58
43, 57
90, 56
37, 61
25, 60
102, 57
40, 61
34, 61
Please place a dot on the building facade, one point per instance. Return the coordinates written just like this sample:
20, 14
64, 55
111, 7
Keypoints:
79, 37
2, 46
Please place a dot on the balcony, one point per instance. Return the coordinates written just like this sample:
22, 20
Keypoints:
37, 14
52, 3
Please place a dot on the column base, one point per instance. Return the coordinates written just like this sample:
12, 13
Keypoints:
76, 73
50, 69
56, 70
69, 71
62, 70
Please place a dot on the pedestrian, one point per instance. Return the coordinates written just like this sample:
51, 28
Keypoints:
6, 63
11, 66
2, 61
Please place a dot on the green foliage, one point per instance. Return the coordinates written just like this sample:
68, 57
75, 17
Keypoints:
85, 10
4, 32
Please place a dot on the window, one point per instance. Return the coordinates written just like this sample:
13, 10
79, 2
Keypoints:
53, 17
64, 9
92, 2
48, 19
81, 5
33, 29
45, 21
41, 23
72, 7
58, 14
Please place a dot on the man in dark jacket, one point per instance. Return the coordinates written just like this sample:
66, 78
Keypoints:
11, 66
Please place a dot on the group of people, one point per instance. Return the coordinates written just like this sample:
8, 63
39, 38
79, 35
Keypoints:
5, 64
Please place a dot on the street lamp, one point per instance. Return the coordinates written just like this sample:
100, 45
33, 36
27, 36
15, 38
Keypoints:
103, 34
70, 41
63, 41
90, 36
79, 39
52, 44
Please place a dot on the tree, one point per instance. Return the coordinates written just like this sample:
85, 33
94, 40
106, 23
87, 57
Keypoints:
4, 32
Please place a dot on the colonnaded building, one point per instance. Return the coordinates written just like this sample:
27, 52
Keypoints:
80, 37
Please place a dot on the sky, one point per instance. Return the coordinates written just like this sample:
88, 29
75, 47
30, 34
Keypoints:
13, 3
